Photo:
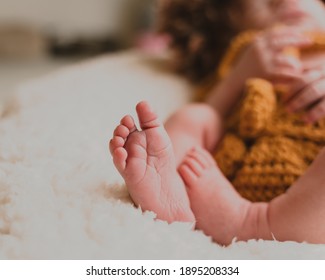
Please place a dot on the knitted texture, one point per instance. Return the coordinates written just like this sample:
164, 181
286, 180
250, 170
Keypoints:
265, 149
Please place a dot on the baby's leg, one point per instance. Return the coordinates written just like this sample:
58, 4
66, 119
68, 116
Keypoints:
196, 124
299, 214
219, 210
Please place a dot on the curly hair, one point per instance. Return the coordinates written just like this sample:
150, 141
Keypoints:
190, 25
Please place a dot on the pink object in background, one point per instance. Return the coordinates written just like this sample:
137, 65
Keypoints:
152, 43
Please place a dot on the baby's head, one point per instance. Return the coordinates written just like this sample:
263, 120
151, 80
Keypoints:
201, 30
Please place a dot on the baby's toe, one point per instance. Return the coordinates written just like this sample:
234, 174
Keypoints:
203, 157
196, 167
147, 117
128, 122
121, 131
207, 157
187, 174
119, 158
115, 143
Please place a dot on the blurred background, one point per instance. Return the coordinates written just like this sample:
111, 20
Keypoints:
39, 36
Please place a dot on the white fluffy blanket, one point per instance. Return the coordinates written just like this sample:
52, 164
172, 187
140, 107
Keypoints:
60, 195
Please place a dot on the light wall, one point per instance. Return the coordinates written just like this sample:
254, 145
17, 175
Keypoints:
68, 18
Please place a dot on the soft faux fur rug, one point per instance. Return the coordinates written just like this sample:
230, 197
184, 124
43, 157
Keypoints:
60, 195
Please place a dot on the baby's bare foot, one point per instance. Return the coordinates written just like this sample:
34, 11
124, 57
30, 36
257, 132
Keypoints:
146, 161
219, 210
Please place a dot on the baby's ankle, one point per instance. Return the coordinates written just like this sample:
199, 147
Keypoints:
255, 222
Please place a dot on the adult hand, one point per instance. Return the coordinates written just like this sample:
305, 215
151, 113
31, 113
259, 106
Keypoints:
265, 57
308, 93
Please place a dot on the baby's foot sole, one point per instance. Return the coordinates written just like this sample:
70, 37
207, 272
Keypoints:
146, 161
